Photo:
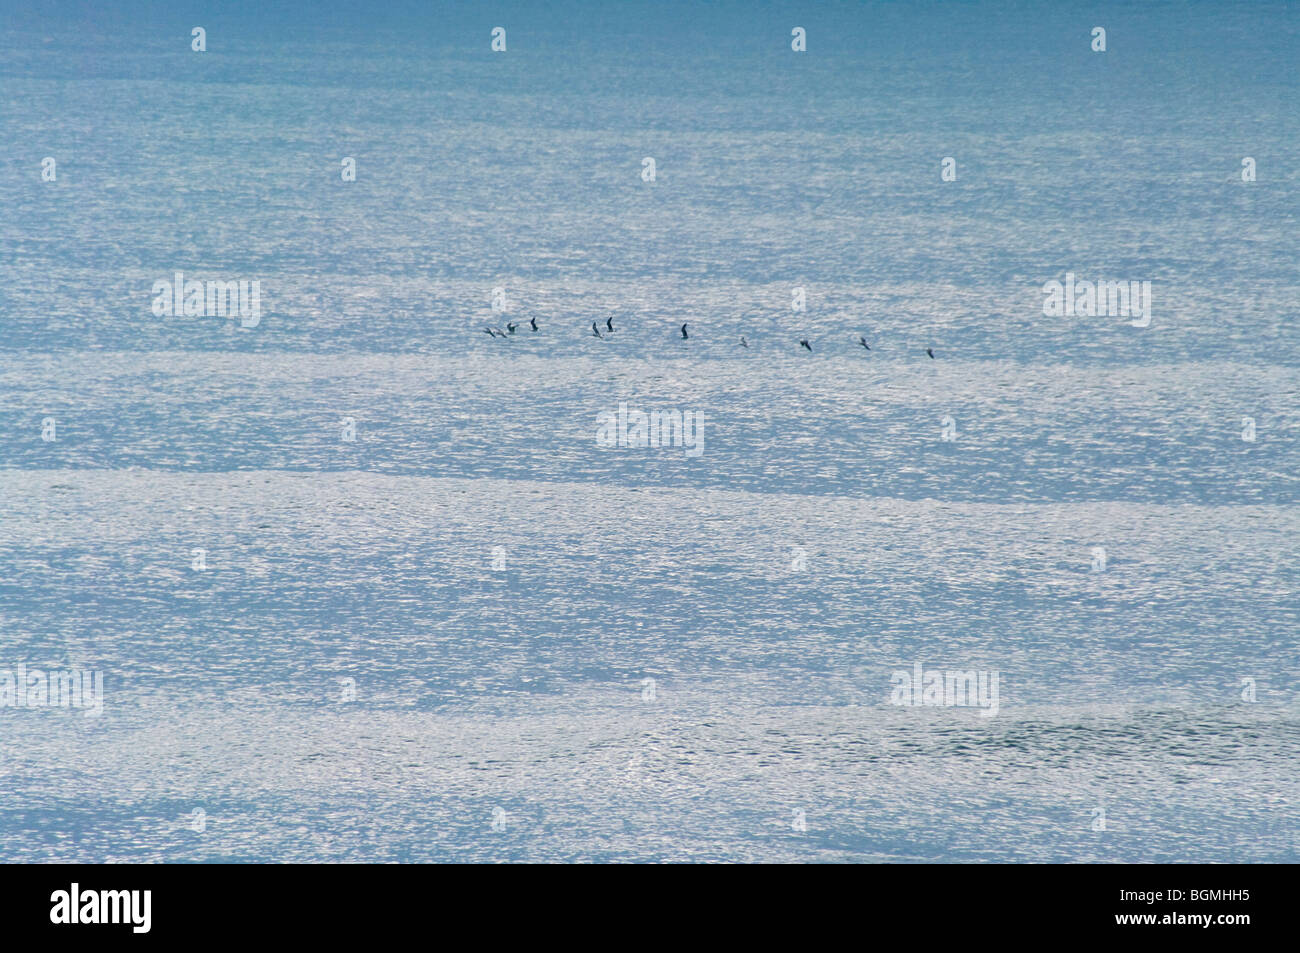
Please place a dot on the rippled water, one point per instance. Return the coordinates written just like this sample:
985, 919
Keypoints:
825, 537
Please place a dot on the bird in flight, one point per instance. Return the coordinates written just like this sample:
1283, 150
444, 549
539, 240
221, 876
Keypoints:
609, 322
863, 342
511, 327
595, 330
533, 322
804, 343
929, 351
743, 342
684, 334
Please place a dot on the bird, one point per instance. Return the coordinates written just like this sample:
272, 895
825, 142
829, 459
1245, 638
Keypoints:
684, 334
804, 343
489, 332
863, 342
743, 342
511, 327
498, 332
533, 322
930, 352
595, 330
609, 322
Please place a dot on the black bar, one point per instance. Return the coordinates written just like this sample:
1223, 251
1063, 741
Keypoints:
336, 904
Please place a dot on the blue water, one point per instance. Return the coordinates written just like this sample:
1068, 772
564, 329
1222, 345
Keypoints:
825, 537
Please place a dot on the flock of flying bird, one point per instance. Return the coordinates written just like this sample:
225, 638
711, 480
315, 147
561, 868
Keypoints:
609, 329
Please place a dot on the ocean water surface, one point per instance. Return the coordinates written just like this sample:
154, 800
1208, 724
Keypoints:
473, 633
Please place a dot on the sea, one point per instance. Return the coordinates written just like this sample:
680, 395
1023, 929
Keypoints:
362, 582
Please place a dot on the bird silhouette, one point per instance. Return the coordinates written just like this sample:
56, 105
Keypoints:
609, 322
804, 343
930, 352
511, 327
595, 330
489, 332
533, 322
684, 334
743, 342
863, 342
